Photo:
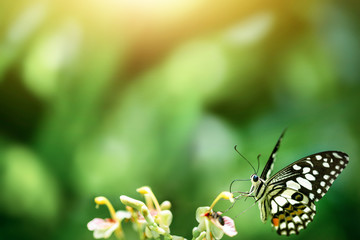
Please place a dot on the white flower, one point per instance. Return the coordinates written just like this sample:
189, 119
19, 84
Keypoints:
103, 228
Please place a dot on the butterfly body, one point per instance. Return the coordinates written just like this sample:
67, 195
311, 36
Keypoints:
289, 196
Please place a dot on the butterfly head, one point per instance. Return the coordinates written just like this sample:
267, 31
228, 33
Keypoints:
255, 182
254, 178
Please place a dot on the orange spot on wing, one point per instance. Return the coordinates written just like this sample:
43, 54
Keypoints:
275, 222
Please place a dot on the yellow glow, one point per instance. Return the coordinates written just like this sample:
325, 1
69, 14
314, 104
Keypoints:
157, 4
148, 7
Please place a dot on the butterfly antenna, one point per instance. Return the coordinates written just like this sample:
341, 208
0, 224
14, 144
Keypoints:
258, 158
244, 158
241, 195
233, 204
237, 180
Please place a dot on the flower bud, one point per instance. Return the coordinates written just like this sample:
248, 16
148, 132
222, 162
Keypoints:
144, 190
166, 205
128, 201
101, 200
166, 217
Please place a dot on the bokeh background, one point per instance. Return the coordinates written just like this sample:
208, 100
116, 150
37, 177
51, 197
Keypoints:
102, 97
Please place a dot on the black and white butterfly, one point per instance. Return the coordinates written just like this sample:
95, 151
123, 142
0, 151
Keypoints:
289, 196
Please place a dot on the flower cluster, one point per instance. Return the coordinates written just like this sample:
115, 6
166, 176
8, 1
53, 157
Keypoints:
152, 220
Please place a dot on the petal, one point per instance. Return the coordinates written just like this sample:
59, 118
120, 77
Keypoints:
229, 227
99, 223
108, 232
200, 213
141, 218
105, 233
121, 215
166, 217
103, 228
216, 231
99, 234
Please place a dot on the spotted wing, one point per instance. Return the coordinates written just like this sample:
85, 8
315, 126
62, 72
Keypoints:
291, 210
293, 190
312, 175
270, 163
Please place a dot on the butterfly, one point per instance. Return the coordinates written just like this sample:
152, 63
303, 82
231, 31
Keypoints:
289, 196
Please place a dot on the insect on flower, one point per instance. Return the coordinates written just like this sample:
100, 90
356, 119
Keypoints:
212, 225
226, 224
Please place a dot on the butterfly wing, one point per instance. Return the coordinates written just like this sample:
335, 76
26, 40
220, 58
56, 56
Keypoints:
291, 210
312, 175
270, 163
293, 190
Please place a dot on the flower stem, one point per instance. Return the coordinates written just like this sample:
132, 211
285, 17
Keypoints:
105, 201
138, 225
208, 232
119, 233
147, 190
224, 195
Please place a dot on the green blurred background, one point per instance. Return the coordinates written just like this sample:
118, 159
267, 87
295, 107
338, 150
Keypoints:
102, 97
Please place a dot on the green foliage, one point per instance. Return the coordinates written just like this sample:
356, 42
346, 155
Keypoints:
100, 97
